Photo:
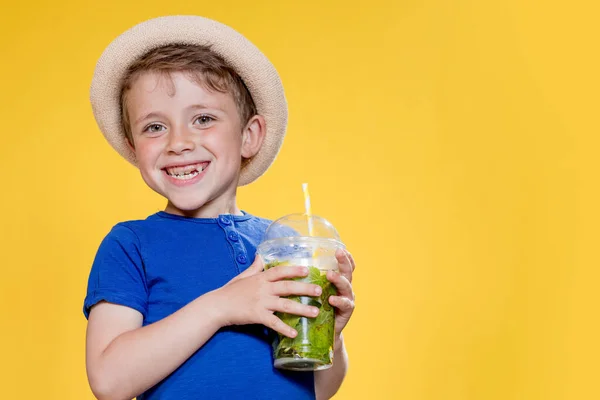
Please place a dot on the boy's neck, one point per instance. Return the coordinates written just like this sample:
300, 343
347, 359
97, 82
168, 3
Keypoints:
209, 210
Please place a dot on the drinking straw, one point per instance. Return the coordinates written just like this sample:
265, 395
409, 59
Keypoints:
307, 208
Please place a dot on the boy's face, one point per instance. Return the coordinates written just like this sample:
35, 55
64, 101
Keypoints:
189, 142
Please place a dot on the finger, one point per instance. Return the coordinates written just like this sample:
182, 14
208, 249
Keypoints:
295, 308
345, 263
273, 322
351, 260
256, 267
342, 284
341, 252
344, 304
287, 288
286, 272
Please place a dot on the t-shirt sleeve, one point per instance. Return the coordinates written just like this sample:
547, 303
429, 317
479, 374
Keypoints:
117, 275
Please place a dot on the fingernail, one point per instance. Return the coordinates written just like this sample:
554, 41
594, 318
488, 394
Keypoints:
318, 291
314, 311
293, 333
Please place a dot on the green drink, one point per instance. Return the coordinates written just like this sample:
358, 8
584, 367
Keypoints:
312, 348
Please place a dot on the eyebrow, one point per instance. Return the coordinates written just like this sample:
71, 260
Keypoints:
147, 116
192, 107
200, 106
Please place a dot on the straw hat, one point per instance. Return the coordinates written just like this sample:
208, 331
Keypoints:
246, 59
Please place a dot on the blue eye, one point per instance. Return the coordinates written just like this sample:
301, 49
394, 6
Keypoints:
154, 128
204, 119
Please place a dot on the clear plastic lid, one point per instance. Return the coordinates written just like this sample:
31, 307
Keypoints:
300, 239
301, 225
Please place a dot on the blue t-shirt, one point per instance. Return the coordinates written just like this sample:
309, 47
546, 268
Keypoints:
160, 264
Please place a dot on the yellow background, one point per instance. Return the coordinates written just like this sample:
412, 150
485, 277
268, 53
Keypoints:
454, 144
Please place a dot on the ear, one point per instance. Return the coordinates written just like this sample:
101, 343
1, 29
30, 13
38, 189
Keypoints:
253, 136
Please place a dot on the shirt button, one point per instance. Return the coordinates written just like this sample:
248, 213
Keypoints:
233, 237
242, 259
224, 220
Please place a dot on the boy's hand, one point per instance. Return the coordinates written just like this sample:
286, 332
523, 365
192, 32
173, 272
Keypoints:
253, 296
344, 302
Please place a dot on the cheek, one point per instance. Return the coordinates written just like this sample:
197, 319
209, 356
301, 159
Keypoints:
145, 152
224, 146
146, 162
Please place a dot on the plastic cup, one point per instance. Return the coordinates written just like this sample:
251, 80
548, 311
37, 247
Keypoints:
288, 241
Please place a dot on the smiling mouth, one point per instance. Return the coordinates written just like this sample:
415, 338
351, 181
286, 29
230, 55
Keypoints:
186, 172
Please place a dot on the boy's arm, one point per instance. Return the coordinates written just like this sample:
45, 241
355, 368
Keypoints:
328, 382
124, 359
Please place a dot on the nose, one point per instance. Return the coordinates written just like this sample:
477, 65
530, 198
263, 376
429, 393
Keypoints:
180, 141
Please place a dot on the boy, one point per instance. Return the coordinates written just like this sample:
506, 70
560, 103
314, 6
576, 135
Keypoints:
176, 309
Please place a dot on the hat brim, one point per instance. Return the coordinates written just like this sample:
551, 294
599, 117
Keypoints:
257, 72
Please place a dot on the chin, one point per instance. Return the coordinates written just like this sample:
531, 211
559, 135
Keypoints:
187, 204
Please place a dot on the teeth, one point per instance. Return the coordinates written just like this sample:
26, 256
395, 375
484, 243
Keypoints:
184, 176
187, 172
182, 170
